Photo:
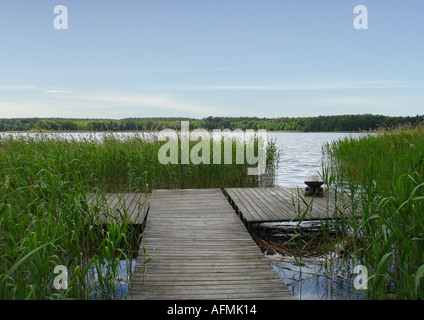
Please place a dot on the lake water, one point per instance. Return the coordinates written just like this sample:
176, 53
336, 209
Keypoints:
301, 154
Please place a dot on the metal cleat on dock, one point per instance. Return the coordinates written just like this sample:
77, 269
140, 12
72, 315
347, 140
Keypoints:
314, 184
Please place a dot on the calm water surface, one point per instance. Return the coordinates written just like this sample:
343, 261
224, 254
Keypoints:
301, 154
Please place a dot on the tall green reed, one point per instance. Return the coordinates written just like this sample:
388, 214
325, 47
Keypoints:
384, 173
46, 222
126, 163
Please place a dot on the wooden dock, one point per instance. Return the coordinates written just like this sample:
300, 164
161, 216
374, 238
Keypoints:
256, 205
200, 249
132, 206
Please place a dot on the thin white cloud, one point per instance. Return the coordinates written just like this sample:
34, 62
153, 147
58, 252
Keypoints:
56, 91
186, 70
57, 103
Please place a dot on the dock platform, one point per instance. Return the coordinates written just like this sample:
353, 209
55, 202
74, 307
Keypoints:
200, 249
255, 205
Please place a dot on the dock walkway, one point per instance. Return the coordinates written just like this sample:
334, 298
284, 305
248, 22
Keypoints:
200, 249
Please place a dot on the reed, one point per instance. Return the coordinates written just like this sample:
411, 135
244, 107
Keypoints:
384, 173
45, 220
121, 163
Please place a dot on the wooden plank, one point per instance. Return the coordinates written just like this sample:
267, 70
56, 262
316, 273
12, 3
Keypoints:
200, 250
258, 212
263, 203
250, 198
119, 201
284, 204
298, 205
286, 209
320, 205
305, 203
138, 208
278, 206
114, 200
248, 213
132, 208
128, 199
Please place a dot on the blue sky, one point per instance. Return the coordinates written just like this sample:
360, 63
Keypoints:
196, 58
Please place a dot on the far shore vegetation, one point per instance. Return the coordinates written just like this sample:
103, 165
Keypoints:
338, 123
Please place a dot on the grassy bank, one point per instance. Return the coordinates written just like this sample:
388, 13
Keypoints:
45, 220
384, 173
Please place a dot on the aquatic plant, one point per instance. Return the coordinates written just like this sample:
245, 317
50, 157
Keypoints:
385, 173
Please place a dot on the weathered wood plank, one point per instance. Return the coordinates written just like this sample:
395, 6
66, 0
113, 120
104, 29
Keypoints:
200, 250
262, 203
134, 204
276, 203
129, 198
285, 204
247, 212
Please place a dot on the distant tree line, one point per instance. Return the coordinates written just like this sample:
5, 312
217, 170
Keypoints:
350, 123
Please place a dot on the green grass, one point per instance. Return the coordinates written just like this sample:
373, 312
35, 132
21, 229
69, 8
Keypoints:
384, 173
45, 220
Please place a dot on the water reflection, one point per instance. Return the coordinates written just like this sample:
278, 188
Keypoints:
317, 278
313, 265
122, 277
